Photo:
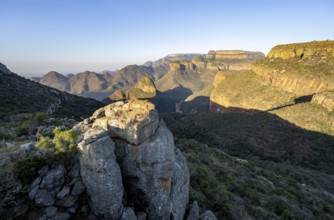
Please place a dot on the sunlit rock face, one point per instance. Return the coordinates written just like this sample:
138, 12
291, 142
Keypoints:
303, 50
126, 152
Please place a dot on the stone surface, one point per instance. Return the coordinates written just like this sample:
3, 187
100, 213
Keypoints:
36, 182
133, 121
43, 170
78, 188
50, 211
63, 192
68, 201
44, 198
141, 216
128, 214
143, 89
102, 177
117, 95
325, 99
302, 50
193, 212
33, 192
153, 171
75, 171
151, 168
28, 146
54, 179
61, 216
208, 215
180, 186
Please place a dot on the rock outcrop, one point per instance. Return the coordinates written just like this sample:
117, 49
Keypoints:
290, 78
233, 55
126, 150
231, 60
325, 99
303, 50
143, 89
181, 65
117, 95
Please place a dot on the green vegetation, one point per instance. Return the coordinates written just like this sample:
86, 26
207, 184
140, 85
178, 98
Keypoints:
19, 95
255, 189
19, 126
45, 143
310, 116
26, 169
246, 90
251, 134
65, 141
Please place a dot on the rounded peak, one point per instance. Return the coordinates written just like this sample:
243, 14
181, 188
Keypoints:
52, 73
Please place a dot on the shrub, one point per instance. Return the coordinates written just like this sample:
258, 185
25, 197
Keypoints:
22, 129
26, 169
45, 143
64, 140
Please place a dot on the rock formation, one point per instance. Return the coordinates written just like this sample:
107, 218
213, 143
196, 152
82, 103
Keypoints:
117, 95
126, 150
283, 83
303, 50
231, 60
325, 99
143, 89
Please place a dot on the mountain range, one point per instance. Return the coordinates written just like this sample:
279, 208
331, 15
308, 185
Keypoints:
253, 138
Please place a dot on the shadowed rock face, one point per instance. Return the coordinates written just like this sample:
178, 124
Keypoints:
150, 171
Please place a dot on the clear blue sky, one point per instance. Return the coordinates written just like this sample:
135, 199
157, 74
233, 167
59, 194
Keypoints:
76, 35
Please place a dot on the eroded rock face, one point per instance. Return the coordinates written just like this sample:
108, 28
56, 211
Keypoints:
150, 170
303, 50
133, 121
101, 176
325, 99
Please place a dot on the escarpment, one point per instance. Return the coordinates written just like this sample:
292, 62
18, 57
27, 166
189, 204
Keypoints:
128, 154
303, 50
291, 78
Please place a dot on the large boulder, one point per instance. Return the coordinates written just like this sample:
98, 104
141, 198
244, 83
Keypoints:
134, 121
153, 171
102, 176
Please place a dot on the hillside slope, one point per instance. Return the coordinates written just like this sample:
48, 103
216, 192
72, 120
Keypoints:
20, 95
295, 82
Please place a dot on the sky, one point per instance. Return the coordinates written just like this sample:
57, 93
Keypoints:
71, 36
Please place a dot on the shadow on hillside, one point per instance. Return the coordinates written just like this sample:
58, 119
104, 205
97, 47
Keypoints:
199, 104
252, 133
167, 101
301, 99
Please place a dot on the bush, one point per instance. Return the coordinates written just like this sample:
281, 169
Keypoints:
26, 169
64, 140
45, 143
22, 129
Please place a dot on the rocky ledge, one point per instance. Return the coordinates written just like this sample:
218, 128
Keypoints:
129, 164
302, 50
